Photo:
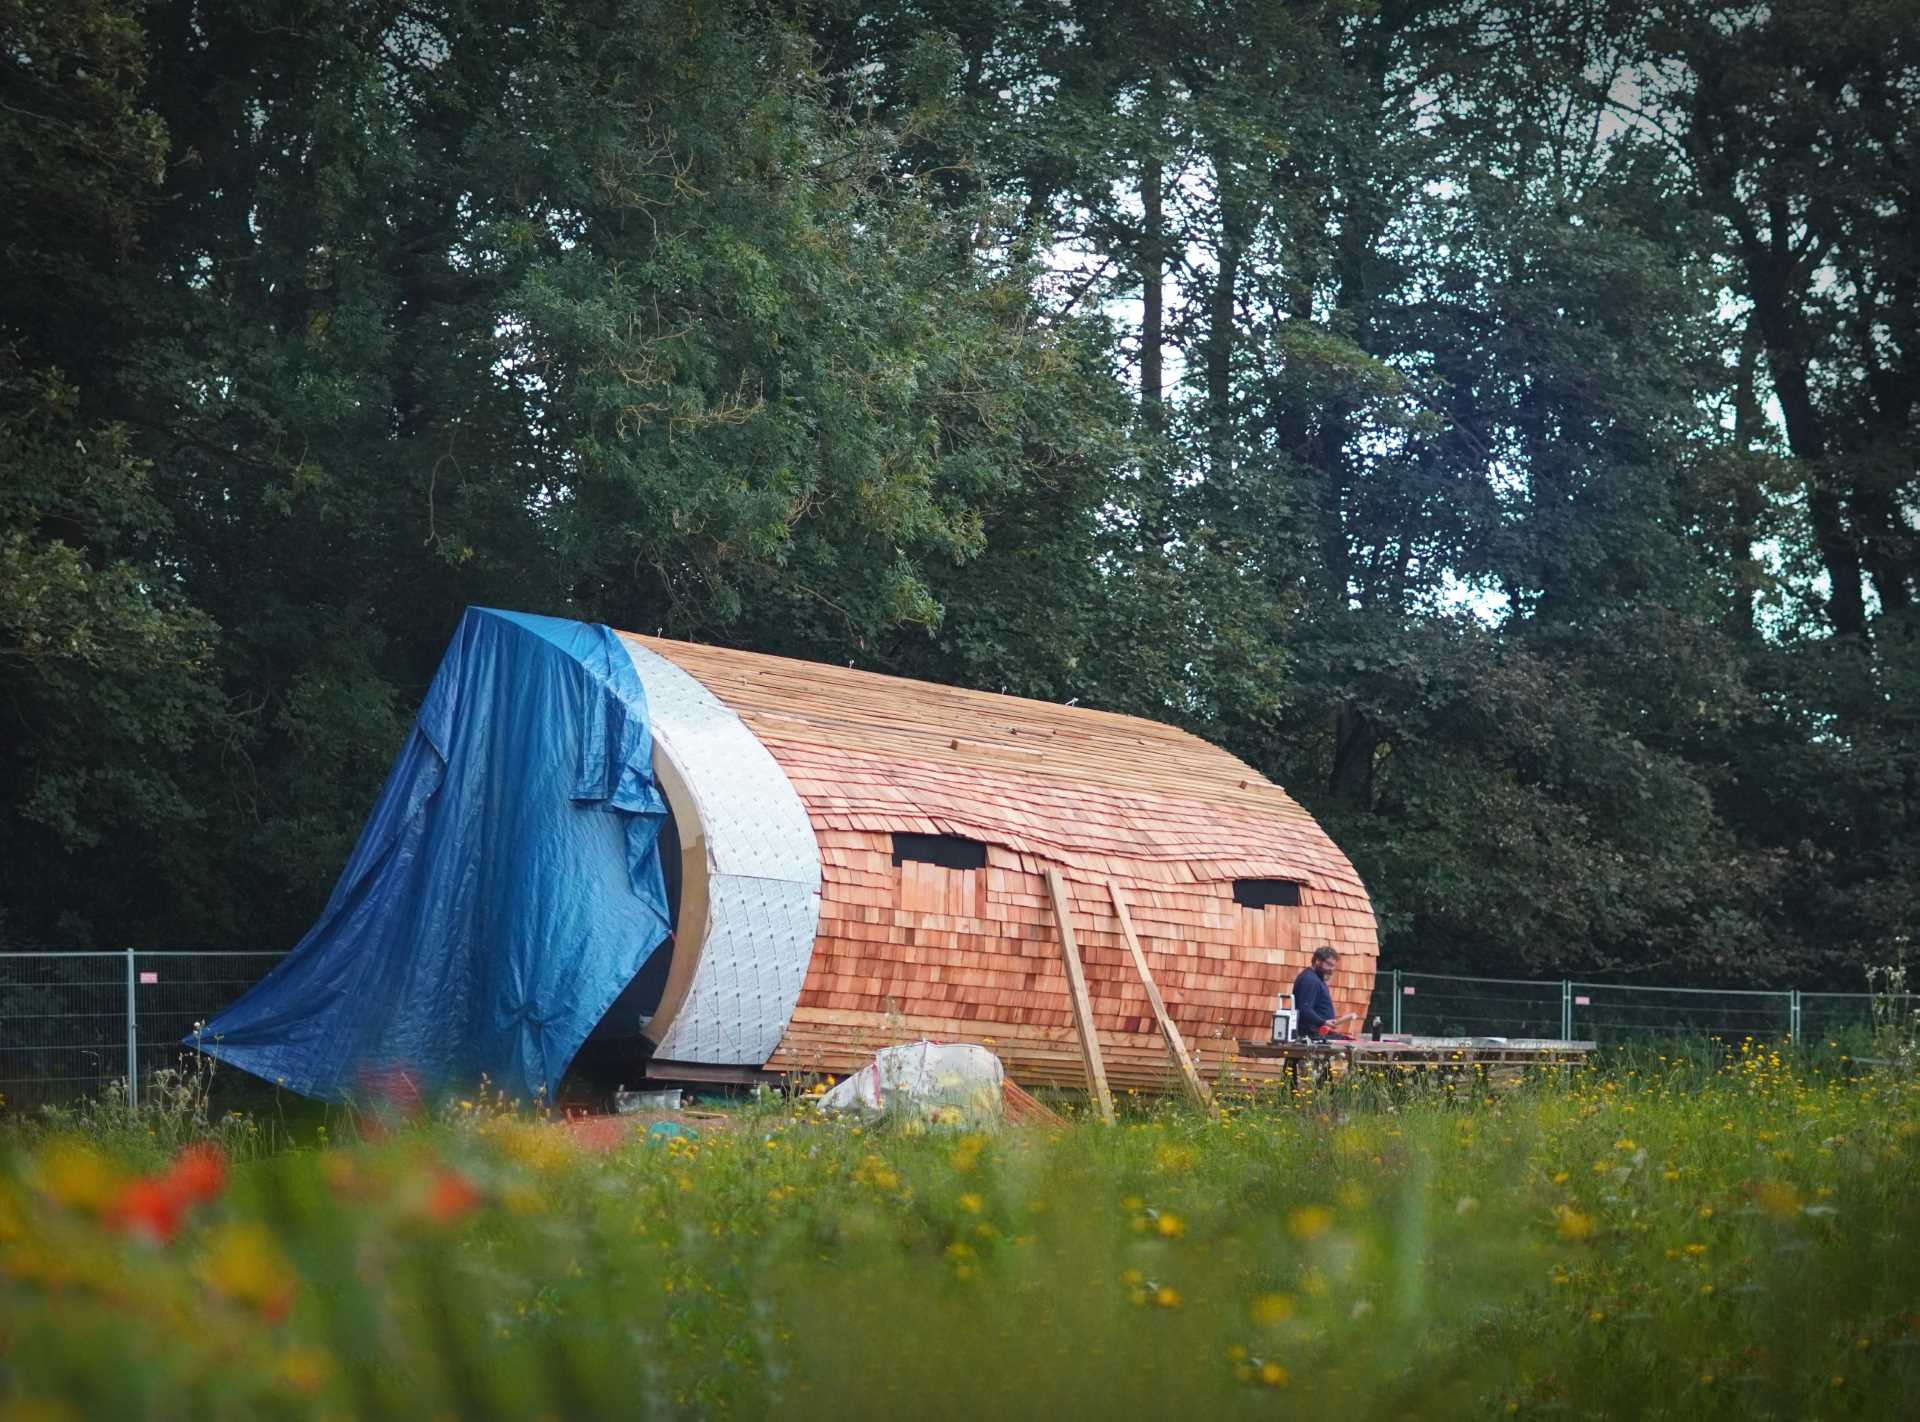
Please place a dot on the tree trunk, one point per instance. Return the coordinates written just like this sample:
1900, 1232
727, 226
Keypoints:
1152, 297
1839, 553
1747, 501
1222, 309
1355, 742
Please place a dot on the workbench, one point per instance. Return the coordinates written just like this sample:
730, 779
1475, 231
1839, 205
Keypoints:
1412, 1058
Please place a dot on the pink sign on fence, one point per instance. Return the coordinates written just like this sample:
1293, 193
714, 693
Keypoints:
1583, 1002
149, 977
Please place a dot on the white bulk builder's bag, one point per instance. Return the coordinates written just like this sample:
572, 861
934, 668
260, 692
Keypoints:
956, 1084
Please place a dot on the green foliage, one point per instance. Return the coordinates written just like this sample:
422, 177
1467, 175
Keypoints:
1494, 422
1691, 1236
105, 663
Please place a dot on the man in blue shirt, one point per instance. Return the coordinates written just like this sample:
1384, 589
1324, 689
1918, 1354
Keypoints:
1314, 1003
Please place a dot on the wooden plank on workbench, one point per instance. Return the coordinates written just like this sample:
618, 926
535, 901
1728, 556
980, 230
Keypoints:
1082, 1005
1175, 1044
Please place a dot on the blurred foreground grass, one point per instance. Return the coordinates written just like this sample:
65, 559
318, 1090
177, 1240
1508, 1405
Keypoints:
1673, 1238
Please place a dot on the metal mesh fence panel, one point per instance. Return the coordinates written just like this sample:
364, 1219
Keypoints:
1610, 1012
174, 992
1432, 1005
71, 1023
1832, 1016
63, 1025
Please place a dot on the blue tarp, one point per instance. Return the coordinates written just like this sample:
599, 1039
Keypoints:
505, 889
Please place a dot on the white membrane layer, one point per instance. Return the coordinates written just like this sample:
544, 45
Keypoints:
763, 875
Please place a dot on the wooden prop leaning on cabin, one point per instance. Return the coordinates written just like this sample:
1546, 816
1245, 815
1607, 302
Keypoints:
1175, 1043
1082, 1007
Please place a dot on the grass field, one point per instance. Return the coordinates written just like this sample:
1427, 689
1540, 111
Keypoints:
1730, 1236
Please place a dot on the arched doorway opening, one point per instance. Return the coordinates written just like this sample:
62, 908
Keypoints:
616, 1051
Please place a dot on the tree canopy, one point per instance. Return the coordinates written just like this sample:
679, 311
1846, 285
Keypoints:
1497, 423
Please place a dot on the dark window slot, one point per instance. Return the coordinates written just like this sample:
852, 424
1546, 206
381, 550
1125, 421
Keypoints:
1266, 893
949, 851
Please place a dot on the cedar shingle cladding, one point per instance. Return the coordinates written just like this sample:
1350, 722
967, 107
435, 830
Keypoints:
917, 950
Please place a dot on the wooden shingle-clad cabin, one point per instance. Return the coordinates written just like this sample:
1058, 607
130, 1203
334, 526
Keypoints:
863, 858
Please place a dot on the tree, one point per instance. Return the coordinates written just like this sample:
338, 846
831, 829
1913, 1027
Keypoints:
106, 667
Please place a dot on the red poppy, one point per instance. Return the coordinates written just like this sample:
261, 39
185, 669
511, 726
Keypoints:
275, 1307
149, 1208
452, 1196
198, 1174
154, 1206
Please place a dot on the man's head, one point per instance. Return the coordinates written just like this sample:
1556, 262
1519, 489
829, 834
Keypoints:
1325, 960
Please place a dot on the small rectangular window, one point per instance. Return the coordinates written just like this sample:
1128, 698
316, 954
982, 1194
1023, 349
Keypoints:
1266, 893
949, 851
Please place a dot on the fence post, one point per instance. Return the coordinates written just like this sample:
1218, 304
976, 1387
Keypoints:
1793, 1017
1566, 1010
133, 1039
1396, 1002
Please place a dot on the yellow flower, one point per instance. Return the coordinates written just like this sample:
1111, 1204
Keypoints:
522, 1200
529, 1143
244, 1262
1696, 1249
875, 1172
304, 1370
1166, 1296
1273, 1375
1778, 1198
1309, 1221
972, 1203
1170, 1226
1574, 1224
1270, 1309
78, 1176
1175, 1157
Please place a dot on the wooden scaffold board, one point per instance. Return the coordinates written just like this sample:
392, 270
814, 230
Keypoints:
1082, 1005
1175, 1043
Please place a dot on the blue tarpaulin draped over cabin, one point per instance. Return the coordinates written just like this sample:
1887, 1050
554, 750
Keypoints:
505, 889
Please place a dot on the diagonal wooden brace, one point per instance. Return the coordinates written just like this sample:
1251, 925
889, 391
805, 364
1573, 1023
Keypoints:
1175, 1043
1082, 1005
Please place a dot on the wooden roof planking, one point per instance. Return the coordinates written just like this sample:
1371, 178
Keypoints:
915, 950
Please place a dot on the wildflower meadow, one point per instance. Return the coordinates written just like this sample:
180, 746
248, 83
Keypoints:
1712, 1234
